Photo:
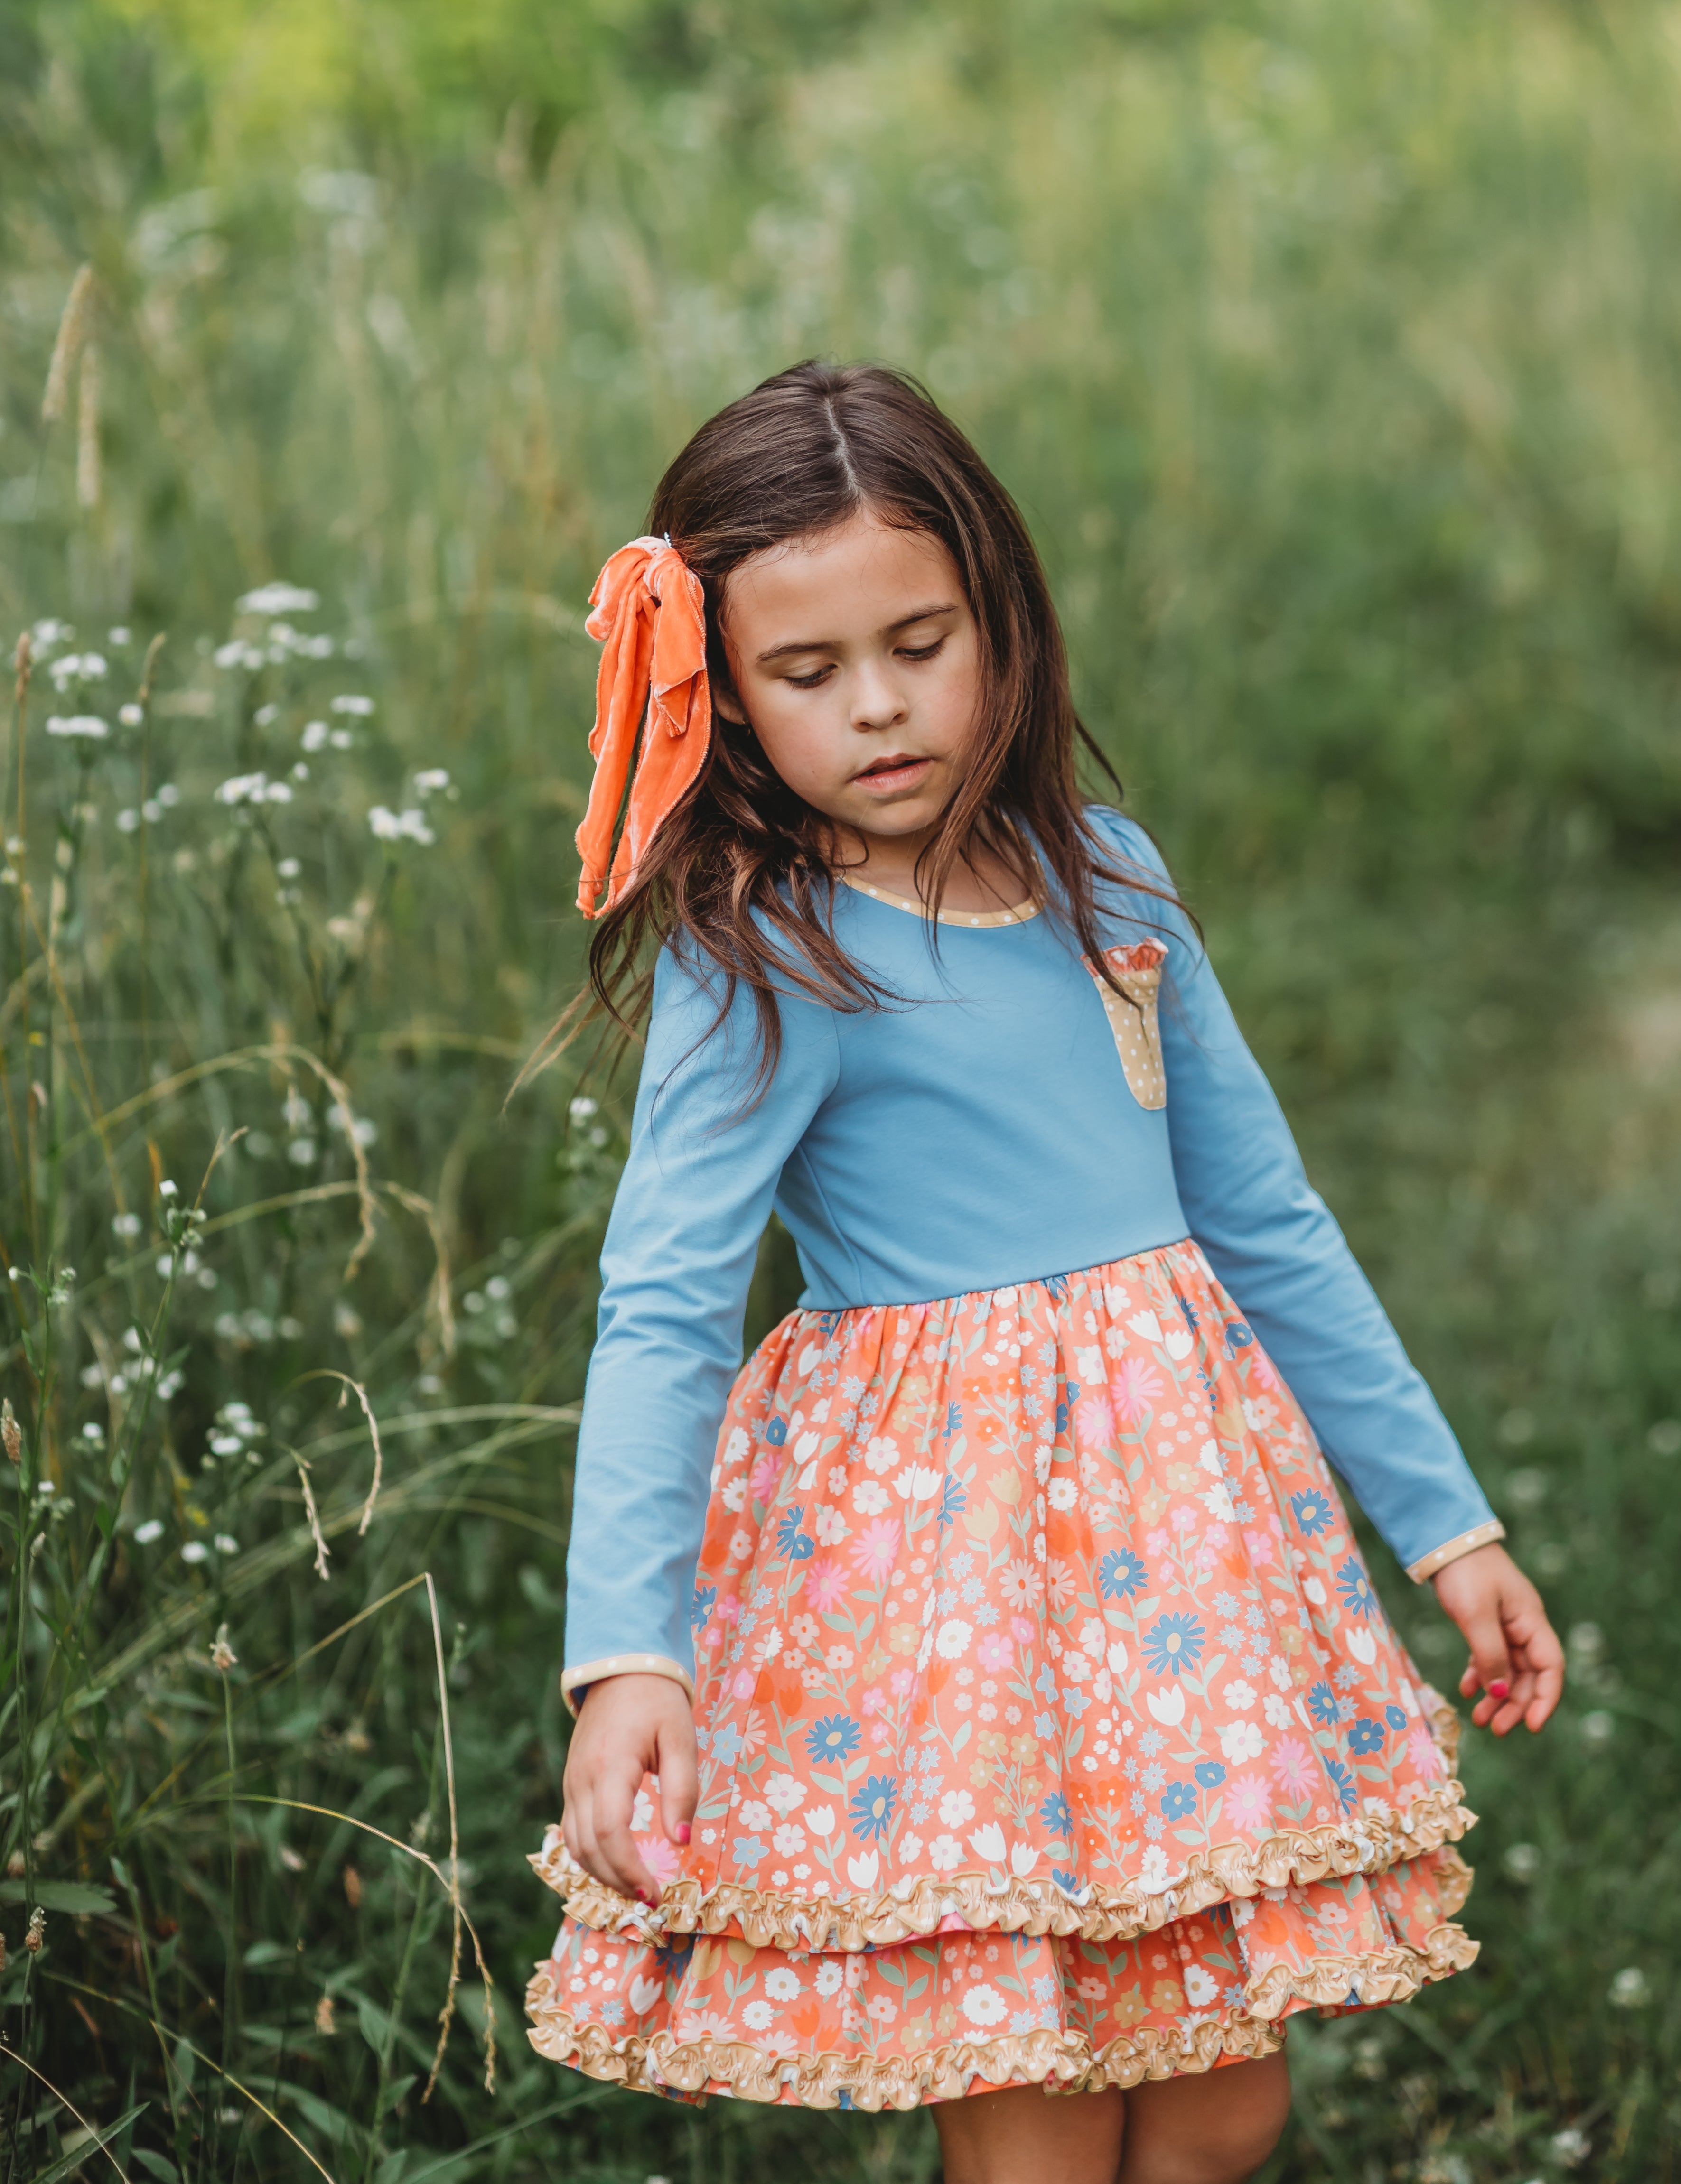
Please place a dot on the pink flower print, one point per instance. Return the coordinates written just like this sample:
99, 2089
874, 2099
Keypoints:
1247, 1800
1261, 1372
1257, 1547
741, 1683
1021, 1583
825, 1584
1422, 1750
728, 1609
900, 1682
875, 1547
1135, 1388
994, 1652
1020, 1630
765, 1472
1216, 1535
1183, 1519
1061, 1584
660, 1857
1094, 1417
1156, 1542
1292, 1763
873, 1702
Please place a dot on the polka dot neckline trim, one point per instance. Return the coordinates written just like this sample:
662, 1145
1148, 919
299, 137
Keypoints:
1019, 915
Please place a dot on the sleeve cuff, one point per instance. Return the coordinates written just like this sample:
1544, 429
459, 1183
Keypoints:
574, 1682
1479, 1535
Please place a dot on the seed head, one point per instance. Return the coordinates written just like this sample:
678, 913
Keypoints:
222, 1655
11, 1433
352, 1887
38, 1929
324, 2024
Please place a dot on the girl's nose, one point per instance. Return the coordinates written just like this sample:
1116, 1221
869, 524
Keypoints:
877, 700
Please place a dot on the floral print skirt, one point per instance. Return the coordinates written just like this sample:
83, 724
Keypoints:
1050, 1730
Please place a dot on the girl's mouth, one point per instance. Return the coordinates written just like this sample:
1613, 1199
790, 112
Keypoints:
894, 771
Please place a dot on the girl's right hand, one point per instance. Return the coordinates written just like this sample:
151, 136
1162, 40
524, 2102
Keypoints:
628, 1726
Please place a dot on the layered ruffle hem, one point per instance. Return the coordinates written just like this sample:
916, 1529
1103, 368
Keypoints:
1050, 1732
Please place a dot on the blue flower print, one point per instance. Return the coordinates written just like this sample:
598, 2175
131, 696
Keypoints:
777, 1432
872, 1806
1343, 1782
1046, 1685
701, 1605
1120, 1575
1068, 1882
954, 1418
1324, 1705
1058, 1816
748, 1852
1393, 1715
953, 1500
834, 1737
1356, 1587
1314, 1513
1178, 1799
1173, 1644
1065, 1403
799, 1546
1237, 1337
1211, 1774
726, 1744
1366, 1736
1189, 1311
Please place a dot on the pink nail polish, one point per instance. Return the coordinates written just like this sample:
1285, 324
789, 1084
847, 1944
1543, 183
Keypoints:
1498, 1690
683, 1831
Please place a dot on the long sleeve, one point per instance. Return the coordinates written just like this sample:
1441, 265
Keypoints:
1272, 1242
692, 1204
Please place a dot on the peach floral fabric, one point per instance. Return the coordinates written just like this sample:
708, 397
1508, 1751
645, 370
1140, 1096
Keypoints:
1051, 1731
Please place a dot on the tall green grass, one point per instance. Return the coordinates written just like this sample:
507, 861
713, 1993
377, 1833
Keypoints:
1331, 354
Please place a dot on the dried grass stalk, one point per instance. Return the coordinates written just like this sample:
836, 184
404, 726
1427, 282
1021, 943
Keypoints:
87, 477
73, 327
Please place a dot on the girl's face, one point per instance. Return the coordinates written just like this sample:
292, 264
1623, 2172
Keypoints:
858, 662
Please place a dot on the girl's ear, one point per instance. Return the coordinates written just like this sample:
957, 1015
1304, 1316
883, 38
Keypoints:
727, 705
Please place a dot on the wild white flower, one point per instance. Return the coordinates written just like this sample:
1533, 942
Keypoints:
433, 779
126, 1224
145, 1534
119, 635
236, 653
301, 1152
388, 826
86, 724
243, 789
226, 1543
151, 812
169, 796
127, 821
353, 703
278, 598
77, 668
341, 740
316, 648
300, 771
195, 1551
289, 868
49, 630
581, 1109
314, 735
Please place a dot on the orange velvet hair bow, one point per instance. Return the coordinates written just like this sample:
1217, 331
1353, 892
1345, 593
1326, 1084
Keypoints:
650, 612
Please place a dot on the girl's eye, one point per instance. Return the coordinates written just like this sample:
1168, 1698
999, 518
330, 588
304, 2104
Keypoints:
809, 682
922, 652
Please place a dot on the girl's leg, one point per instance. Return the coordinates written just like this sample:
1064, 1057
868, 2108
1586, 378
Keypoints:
1215, 2129
1022, 2135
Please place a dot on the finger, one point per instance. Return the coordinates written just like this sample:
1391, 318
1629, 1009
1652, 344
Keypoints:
679, 1781
1490, 1664
610, 1808
1546, 1656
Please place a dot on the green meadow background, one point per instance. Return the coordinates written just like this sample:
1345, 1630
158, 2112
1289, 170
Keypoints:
1332, 352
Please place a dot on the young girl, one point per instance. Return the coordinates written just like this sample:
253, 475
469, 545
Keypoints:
980, 1693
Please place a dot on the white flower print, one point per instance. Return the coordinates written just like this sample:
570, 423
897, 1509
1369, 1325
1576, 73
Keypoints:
782, 1985
882, 1453
784, 1793
769, 1646
736, 1446
788, 1840
1146, 1325
1219, 1503
864, 1870
837, 1480
1208, 1459
1313, 1590
869, 1498
1076, 1668
1239, 1697
1279, 1669
1116, 1656
757, 2016
985, 2005
755, 1815
1240, 1740
945, 1854
910, 1848
740, 1545
827, 1980
1200, 1987
1278, 1711
1153, 1872
831, 1527
821, 1820
734, 1496
953, 1638
956, 1807
1089, 1365
1092, 1636
1062, 1494
917, 1482
641, 1813
988, 1842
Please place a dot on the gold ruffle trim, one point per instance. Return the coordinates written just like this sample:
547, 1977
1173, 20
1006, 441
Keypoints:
1370, 1845
1062, 2062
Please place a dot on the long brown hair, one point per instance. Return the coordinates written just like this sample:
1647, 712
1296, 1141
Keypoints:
743, 869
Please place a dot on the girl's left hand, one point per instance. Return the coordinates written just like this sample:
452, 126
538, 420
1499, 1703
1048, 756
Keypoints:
1516, 1661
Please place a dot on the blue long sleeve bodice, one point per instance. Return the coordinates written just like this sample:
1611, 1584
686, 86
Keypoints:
979, 1132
